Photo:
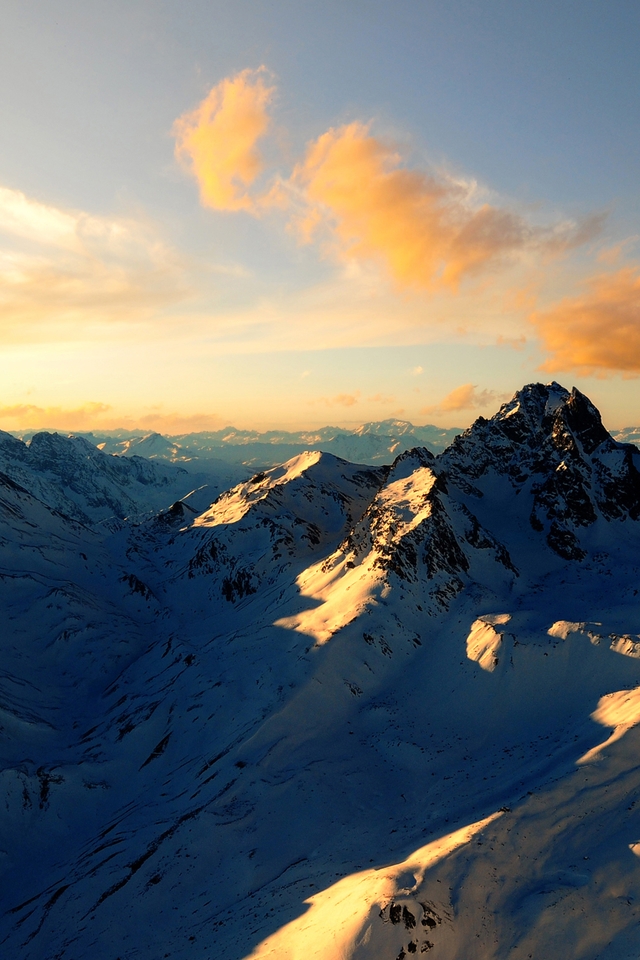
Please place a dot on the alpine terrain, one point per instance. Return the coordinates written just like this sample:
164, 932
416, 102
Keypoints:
342, 711
375, 443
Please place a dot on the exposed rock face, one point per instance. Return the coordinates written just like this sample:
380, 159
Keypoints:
553, 445
414, 530
421, 521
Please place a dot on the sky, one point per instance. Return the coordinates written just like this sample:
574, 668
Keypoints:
279, 214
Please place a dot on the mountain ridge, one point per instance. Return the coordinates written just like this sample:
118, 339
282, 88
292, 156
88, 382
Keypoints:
375, 442
344, 711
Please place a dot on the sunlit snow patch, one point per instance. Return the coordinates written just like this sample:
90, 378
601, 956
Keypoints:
620, 710
335, 927
485, 642
344, 594
624, 644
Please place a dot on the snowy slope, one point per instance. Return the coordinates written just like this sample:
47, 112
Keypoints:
72, 476
343, 712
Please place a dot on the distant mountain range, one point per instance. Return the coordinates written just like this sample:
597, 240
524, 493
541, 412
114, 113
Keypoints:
628, 435
372, 443
342, 710
378, 442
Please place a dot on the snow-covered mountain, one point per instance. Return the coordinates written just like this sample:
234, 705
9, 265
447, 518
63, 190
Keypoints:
73, 477
371, 443
628, 435
345, 712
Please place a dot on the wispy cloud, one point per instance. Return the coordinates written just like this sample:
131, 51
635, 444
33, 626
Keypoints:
217, 141
64, 268
426, 228
360, 200
339, 400
22, 216
613, 254
174, 423
357, 195
597, 331
465, 397
381, 398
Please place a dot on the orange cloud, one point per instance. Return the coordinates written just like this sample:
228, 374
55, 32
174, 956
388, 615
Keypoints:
466, 397
21, 416
421, 226
381, 398
340, 400
355, 191
217, 141
598, 331
345, 399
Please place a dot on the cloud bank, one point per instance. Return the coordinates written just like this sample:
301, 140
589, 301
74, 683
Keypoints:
101, 416
25, 416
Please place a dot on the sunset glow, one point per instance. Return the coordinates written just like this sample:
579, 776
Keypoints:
281, 216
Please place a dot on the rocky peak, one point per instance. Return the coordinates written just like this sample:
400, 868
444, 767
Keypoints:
552, 442
415, 532
578, 420
541, 426
410, 460
537, 418
72, 476
529, 413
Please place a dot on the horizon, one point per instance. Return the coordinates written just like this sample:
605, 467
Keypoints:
348, 426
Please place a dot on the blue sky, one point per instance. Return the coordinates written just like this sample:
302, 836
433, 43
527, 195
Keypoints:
126, 299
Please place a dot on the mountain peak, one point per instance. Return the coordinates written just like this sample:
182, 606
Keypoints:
552, 442
55, 446
539, 414
584, 421
529, 411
